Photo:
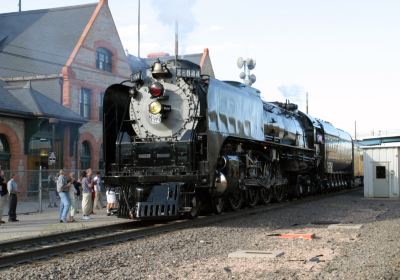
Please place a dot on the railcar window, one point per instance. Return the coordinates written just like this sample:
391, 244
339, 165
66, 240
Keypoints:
380, 172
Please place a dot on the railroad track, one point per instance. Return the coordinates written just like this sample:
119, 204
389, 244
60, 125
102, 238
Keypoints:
44, 247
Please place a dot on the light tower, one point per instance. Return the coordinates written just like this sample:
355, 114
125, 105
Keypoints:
247, 65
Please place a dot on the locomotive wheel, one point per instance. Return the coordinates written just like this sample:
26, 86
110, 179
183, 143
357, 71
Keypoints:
196, 205
235, 199
253, 197
266, 195
218, 204
279, 193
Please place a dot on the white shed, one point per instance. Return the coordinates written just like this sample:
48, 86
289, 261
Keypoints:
381, 170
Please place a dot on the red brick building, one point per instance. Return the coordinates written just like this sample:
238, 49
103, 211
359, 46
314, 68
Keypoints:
55, 65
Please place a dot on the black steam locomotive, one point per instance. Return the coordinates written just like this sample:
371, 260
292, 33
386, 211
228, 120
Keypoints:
176, 141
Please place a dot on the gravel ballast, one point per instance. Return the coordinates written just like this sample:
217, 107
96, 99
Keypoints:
371, 251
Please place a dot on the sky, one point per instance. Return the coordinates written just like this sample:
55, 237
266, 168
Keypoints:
344, 54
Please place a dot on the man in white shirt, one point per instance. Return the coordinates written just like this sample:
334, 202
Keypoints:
12, 189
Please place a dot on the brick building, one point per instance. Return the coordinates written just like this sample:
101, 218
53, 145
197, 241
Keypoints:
55, 65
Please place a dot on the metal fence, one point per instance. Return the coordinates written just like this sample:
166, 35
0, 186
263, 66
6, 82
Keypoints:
36, 187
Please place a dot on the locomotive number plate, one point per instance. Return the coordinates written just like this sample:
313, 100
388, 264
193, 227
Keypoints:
155, 119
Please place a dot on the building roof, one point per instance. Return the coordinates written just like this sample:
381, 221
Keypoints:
380, 141
39, 42
201, 59
29, 103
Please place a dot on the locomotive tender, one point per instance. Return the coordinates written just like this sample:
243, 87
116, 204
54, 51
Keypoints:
176, 141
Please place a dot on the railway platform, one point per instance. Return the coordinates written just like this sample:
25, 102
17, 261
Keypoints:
33, 223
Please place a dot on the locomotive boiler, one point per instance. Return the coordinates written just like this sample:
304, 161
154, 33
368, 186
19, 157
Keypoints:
176, 141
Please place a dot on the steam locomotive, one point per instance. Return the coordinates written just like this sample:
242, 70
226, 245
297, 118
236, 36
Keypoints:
177, 142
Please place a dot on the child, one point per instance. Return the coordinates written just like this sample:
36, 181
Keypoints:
111, 200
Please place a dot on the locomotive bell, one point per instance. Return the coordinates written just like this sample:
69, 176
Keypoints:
157, 68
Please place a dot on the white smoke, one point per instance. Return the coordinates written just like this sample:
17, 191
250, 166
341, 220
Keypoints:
295, 94
180, 11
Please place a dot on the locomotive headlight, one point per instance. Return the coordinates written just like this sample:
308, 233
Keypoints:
156, 89
155, 108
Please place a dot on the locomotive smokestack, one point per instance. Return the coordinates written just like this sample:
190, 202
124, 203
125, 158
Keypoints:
307, 102
355, 130
176, 41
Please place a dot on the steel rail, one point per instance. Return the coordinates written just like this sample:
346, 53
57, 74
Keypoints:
59, 244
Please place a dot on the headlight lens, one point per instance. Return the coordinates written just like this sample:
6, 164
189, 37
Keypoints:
156, 89
155, 108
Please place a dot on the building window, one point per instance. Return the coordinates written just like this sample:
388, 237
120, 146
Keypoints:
380, 172
103, 59
101, 98
85, 103
4, 153
85, 155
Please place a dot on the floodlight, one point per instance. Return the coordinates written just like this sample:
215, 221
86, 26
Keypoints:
253, 78
251, 63
240, 62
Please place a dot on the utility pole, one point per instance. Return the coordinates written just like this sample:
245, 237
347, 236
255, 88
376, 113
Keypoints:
19, 5
138, 47
138, 28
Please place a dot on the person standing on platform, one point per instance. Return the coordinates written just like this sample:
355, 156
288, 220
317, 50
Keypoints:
87, 204
89, 174
72, 196
3, 195
111, 200
98, 203
78, 188
63, 192
12, 189
52, 190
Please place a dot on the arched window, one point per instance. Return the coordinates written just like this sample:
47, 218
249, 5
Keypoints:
104, 59
85, 155
4, 153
